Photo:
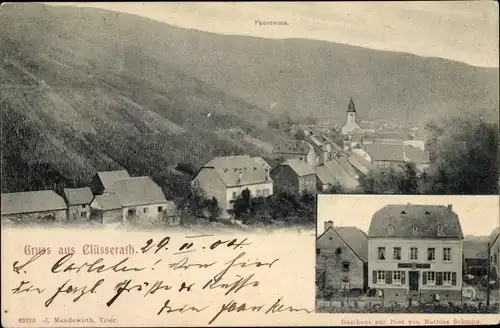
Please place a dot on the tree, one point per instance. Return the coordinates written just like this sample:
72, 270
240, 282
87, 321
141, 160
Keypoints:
300, 135
408, 180
335, 188
213, 209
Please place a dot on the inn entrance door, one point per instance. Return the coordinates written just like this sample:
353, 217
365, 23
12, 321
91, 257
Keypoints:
413, 280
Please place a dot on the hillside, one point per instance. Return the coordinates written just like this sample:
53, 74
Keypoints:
302, 77
68, 112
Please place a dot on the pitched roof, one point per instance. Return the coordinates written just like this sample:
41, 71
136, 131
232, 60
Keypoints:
138, 191
302, 169
108, 178
475, 249
31, 201
262, 162
351, 107
239, 170
354, 238
383, 152
106, 202
324, 175
300, 147
417, 155
338, 172
78, 196
360, 163
426, 218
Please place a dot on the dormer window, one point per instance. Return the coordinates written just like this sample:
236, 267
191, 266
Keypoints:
415, 228
403, 212
390, 228
427, 212
440, 228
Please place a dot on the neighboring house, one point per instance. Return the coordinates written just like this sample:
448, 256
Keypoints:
103, 182
106, 208
322, 146
78, 201
33, 207
494, 240
295, 175
336, 171
224, 178
381, 155
416, 250
418, 156
360, 164
141, 199
296, 149
475, 257
350, 125
342, 258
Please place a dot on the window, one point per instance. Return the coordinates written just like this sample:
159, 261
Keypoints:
265, 192
83, 215
234, 194
440, 228
413, 253
131, 212
338, 251
431, 277
397, 277
396, 255
381, 253
345, 266
415, 228
446, 254
84, 205
318, 251
447, 278
380, 276
145, 210
259, 192
431, 254
160, 209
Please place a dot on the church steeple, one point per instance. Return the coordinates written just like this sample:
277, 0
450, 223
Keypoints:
351, 108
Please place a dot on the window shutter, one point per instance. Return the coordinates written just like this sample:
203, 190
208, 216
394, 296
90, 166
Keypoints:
374, 276
439, 278
388, 277
402, 277
454, 278
424, 278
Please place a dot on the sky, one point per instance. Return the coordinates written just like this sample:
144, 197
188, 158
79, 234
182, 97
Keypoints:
458, 30
478, 215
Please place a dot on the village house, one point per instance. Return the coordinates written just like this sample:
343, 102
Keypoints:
338, 170
103, 182
416, 251
296, 149
33, 207
142, 200
341, 258
494, 240
322, 147
224, 178
475, 257
417, 156
295, 175
78, 201
106, 209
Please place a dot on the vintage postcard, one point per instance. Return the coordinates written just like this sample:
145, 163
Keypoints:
249, 164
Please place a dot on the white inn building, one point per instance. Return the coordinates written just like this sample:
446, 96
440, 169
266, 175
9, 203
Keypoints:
415, 250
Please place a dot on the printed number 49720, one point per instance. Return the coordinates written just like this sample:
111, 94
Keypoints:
27, 320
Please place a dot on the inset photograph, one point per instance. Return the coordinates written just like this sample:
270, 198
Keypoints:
407, 253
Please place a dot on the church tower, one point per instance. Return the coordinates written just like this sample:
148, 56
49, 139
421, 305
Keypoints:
351, 112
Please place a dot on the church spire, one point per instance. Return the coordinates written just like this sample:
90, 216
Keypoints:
350, 108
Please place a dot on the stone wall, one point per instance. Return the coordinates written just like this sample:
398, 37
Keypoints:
331, 262
36, 217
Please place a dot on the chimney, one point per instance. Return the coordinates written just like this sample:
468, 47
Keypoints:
450, 207
328, 224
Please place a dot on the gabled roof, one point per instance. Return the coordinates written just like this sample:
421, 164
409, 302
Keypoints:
239, 170
108, 178
300, 147
426, 218
338, 172
300, 168
417, 155
352, 237
138, 191
78, 196
106, 202
475, 249
383, 152
31, 202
